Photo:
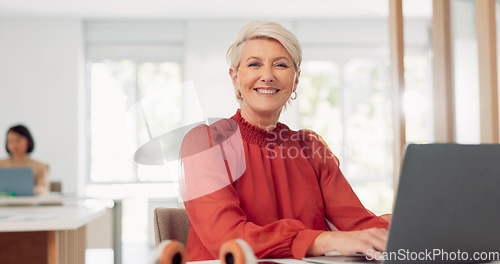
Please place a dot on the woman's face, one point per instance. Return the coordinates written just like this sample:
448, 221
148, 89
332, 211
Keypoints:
266, 76
16, 143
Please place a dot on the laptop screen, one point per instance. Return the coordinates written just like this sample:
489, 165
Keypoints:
16, 182
447, 203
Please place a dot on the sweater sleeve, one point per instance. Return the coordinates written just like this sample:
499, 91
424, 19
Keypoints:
217, 218
213, 204
342, 207
41, 175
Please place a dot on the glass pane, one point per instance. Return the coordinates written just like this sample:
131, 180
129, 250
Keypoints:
418, 97
369, 135
348, 104
320, 100
465, 62
161, 82
117, 87
368, 122
345, 97
112, 91
167, 172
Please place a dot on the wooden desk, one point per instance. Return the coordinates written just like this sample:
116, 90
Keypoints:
47, 234
60, 199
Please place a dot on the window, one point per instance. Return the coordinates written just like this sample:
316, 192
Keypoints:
134, 76
354, 99
418, 98
345, 96
119, 90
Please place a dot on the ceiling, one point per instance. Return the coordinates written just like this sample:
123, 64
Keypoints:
208, 9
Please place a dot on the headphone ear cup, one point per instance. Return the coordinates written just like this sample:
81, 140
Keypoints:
237, 252
170, 252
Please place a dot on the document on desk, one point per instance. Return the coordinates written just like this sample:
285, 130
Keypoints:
11, 217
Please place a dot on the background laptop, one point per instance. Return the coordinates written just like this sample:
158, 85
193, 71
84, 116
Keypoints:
448, 204
18, 181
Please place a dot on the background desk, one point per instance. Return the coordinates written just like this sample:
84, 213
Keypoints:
59, 199
47, 234
48, 199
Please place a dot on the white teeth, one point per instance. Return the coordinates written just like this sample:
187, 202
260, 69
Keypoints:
266, 91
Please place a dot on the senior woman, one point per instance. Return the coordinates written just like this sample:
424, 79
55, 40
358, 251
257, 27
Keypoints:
251, 177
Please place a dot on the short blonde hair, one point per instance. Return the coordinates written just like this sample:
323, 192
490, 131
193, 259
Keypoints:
268, 30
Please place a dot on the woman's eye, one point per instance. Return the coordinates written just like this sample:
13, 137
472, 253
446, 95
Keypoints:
253, 64
282, 65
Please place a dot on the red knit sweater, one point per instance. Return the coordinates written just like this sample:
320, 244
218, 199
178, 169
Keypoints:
273, 189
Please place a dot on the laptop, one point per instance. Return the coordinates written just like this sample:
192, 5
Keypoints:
16, 182
447, 208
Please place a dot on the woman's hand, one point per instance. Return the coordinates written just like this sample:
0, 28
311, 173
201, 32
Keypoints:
349, 242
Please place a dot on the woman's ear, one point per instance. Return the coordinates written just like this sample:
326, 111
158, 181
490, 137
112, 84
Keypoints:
296, 81
234, 77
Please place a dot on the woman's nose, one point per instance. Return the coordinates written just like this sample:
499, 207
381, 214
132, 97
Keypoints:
267, 75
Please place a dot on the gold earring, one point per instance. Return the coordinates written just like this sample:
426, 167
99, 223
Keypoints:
292, 96
238, 95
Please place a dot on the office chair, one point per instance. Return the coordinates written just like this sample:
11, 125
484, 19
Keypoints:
170, 223
55, 186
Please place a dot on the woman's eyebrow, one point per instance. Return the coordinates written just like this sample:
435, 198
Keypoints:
253, 58
275, 59
282, 58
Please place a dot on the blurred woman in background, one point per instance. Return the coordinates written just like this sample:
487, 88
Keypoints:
19, 145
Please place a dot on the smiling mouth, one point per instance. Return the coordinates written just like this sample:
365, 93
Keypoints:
266, 90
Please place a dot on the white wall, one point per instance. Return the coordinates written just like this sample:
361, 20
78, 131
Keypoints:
41, 86
205, 64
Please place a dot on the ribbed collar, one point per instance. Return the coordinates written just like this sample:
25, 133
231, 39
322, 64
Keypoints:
256, 135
